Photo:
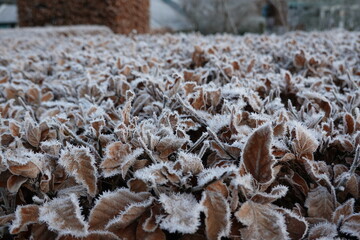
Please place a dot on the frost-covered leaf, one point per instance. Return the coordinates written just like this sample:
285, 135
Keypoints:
257, 157
261, 221
24, 215
64, 216
190, 163
213, 174
320, 203
217, 215
305, 143
111, 204
182, 213
14, 183
129, 215
119, 158
96, 235
24, 162
351, 225
80, 163
32, 132
323, 231
343, 211
296, 226
277, 192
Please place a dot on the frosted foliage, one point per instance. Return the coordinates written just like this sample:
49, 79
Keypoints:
182, 213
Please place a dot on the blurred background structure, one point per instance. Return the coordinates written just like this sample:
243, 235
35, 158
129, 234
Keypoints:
205, 16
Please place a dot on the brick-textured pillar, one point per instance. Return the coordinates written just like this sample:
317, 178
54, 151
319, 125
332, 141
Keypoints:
122, 16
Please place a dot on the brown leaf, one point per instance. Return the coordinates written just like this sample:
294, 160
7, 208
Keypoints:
80, 163
351, 225
219, 187
262, 222
41, 232
257, 157
14, 183
349, 123
116, 158
320, 203
29, 170
323, 230
24, 216
137, 185
110, 204
14, 128
6, 219
142, 234
32, 133
98, 235
129, 215
305, 143
64, 216
277, 192
150, 223
217, 215
32, 95
296, 226
47, 97
343, 211
299, 60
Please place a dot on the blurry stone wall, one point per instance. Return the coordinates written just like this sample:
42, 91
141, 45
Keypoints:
122, 16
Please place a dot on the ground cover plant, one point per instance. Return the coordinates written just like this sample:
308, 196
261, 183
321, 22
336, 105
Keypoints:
179, 136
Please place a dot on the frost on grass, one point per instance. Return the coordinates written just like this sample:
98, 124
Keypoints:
179, 136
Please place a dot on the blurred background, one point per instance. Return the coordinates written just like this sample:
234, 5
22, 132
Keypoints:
205, 16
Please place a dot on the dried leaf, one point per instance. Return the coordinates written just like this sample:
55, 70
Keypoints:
217, 215
257, 157
277, 192
323, 231
32, 133
262, 222
320, 203
305, 143
98, 235
351, 225
64, 216
128, 215
296, 226
343, 211
24, 216
349, 123
119, 158
14, 183
110, 204
80, 163
183, 213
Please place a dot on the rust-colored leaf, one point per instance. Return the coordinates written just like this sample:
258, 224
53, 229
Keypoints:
80, 163
343, 211
128, 215
64, 216
217, 215
323, 231
351, 225
261, 221
320, 203
24, 216
14, 183
305, 143
110, 204
257, 157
